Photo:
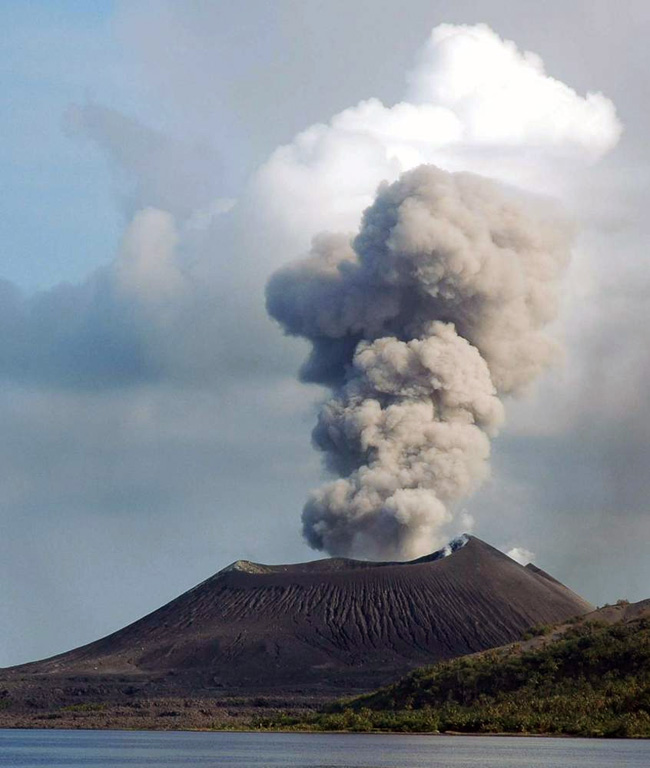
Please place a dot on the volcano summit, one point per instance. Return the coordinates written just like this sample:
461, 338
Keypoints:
333, 624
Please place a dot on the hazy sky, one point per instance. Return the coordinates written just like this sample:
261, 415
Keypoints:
152, 429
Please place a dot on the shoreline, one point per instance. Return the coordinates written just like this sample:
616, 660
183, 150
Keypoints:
307, 732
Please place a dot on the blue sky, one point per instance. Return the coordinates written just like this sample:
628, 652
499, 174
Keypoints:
60, 216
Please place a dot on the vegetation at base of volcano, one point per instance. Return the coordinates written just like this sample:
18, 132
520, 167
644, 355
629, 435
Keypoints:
593, 681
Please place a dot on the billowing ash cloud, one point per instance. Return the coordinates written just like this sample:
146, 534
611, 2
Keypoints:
419, 326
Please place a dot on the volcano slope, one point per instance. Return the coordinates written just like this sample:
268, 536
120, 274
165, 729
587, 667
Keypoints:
332, 626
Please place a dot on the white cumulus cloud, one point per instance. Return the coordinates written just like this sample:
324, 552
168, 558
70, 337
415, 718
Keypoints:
474, 102
522, 555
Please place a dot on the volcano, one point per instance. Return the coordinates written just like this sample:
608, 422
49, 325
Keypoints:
339, 623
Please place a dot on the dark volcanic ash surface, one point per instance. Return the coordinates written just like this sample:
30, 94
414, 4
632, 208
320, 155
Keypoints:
332, 624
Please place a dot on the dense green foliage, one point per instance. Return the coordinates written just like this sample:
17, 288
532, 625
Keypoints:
594, 681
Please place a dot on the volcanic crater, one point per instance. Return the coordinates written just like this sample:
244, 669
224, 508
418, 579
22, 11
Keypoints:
334, 623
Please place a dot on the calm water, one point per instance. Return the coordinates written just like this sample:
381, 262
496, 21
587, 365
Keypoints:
115, 749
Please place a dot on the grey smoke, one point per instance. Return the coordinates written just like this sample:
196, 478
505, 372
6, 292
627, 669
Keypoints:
153, 168
420, 325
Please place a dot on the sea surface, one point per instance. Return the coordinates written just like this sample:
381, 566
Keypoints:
118, 749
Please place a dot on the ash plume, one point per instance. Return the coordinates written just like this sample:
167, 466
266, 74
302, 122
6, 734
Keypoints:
419, 325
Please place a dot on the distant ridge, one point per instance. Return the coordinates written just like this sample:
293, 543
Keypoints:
334, 622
